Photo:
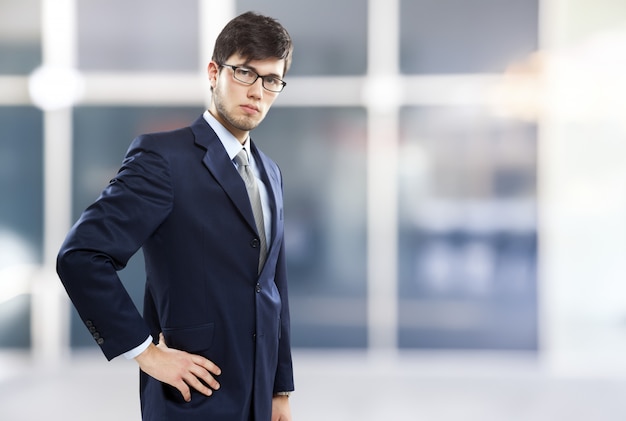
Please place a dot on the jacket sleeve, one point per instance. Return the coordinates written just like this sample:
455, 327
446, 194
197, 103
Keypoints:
102, 241
283, 381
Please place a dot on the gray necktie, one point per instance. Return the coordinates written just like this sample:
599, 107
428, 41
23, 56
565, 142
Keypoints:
255, 201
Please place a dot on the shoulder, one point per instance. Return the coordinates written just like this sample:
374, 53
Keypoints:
161, 141
177, 141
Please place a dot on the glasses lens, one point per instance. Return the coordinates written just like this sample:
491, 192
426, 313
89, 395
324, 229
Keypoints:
245, 75
273, 84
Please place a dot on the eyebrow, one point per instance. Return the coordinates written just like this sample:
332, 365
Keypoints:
247, 66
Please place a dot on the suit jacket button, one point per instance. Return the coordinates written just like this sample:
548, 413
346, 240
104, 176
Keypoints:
92, 329
88, 323
96, 335
100, 341
258, 288
254, 243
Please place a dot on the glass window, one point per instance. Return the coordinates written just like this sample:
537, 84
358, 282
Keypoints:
330, 37
20, 36
21, 175
466, 36
21, 218
468, 234
140, 35
322, 155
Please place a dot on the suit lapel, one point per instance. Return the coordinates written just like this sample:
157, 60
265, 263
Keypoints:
271, 178
221, 167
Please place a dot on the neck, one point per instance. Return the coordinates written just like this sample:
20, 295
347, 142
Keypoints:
240, 135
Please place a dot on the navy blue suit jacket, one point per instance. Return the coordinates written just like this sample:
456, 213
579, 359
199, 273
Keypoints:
179, 196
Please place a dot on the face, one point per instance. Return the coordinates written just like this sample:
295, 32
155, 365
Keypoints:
240, 107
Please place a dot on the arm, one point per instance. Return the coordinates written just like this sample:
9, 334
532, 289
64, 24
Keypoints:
283, 381
107, 234
281, 410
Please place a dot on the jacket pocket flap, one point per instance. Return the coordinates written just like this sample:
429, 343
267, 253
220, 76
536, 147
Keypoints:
190, 339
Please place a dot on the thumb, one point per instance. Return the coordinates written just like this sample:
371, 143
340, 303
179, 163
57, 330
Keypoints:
162, 340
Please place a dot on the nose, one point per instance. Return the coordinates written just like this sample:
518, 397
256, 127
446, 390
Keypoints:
256, 89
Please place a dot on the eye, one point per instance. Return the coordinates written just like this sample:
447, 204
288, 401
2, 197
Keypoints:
272, 81
242, 71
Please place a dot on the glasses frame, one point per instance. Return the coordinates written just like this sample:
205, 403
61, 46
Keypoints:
258, 76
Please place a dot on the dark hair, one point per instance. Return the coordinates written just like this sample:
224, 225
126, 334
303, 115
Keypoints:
255, 37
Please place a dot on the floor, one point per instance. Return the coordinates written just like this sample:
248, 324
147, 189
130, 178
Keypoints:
334, 386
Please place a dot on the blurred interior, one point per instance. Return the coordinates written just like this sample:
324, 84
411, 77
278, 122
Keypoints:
455, 197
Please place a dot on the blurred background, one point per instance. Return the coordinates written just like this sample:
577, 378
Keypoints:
455, 198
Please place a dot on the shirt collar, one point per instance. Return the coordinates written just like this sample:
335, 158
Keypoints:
230, 142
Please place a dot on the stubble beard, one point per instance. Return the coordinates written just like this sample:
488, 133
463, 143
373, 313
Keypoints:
240, 123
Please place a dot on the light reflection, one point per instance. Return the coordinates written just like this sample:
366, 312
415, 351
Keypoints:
53, 88
581, 83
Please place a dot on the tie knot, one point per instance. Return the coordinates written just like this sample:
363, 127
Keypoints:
242, 158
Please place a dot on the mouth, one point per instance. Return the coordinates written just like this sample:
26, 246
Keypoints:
250, 109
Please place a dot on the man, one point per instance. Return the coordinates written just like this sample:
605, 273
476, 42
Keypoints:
214, 339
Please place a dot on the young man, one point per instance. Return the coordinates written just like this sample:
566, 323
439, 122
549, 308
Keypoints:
214, 339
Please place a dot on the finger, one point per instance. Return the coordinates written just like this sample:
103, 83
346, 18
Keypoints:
162, 340
200, 373
184, 390
192, 381
207, 364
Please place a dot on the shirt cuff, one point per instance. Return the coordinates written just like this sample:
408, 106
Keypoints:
129, 355
282, 394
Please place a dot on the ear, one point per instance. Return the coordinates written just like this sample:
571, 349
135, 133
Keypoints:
213, 71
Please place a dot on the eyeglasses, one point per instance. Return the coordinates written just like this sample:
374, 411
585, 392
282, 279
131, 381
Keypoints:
247, 76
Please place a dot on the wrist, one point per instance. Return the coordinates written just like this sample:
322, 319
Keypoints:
145, 354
